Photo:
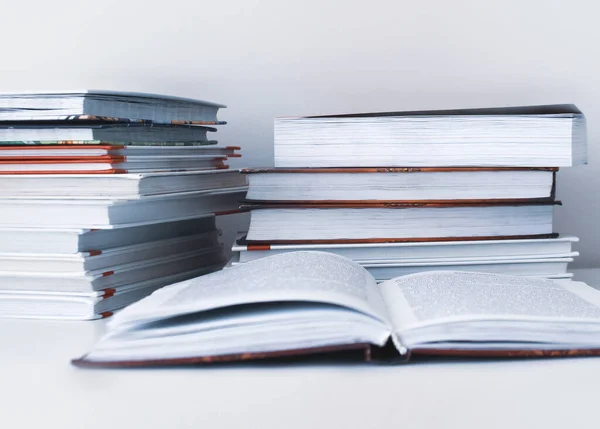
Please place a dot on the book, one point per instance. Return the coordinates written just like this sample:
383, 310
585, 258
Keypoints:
81, 151
307, 303
339, 223
407, 251
123, 186
113, 279
99, 260
552, 267
114, 132
74, 104
85, 305
79, 243
530, 136
111, 213
75, 143
28, 239
110, 164
399, 184
546, 266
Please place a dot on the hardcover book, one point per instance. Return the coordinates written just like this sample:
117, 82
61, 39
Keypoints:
114, 213
480, 249
311, 302
112, 131
354, 185
272, 223
70, 151
86, 104
110, 164
528, 136
129, 186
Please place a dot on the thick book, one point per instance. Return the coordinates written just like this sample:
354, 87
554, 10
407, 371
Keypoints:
110, 164
124, 186
85, 305
69, 240
81, 151
530, 136
114, 132
400, 184
76, 104
364, 252
388, 222
307, 303
111, 213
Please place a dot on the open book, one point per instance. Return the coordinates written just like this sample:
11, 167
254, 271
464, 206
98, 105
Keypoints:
313, 302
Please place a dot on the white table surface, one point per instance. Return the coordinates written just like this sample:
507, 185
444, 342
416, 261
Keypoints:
40, 389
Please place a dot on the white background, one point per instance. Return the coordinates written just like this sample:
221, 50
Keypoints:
276, 58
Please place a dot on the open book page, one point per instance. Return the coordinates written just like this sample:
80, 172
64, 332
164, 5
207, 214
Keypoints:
428, 298
299, 276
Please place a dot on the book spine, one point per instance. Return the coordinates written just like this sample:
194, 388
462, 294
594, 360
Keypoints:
258, 247
108, 293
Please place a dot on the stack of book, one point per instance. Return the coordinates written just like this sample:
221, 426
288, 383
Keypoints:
405, 192
106, 197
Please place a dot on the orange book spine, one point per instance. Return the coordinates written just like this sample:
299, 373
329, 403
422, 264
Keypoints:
111, 171
62, 160
259, 247
65, 145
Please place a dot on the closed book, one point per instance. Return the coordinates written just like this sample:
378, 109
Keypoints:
109, 164
83, 103
528, 136
272, 223
80, 151
406, 251
100, 130
123, 185
470, 256
354, 185
112, 213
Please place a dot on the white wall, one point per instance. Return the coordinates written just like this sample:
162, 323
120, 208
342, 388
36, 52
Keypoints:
273, 58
